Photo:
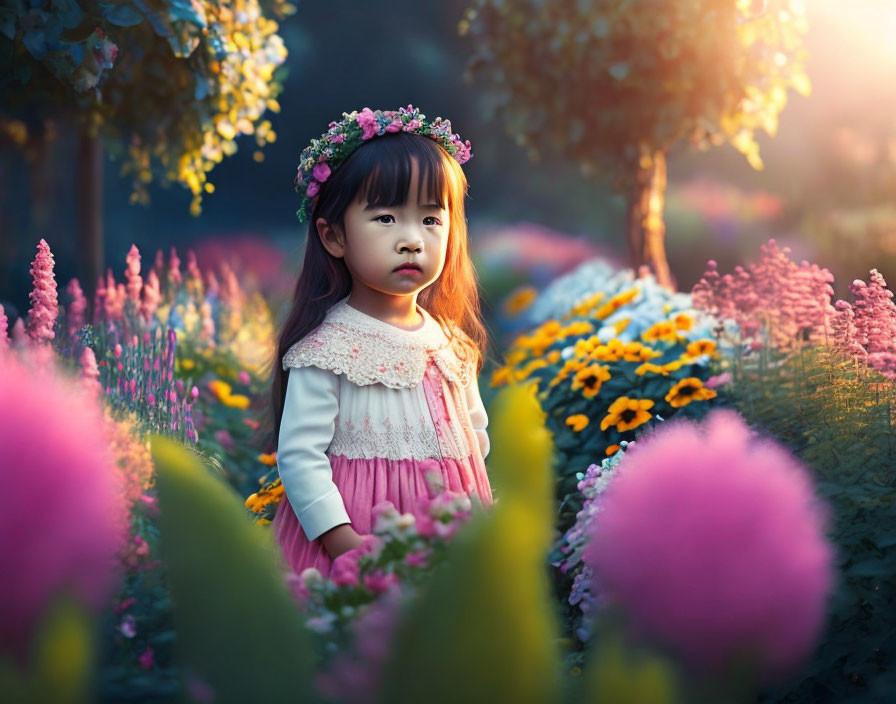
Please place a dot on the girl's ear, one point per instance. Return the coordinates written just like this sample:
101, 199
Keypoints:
330, 238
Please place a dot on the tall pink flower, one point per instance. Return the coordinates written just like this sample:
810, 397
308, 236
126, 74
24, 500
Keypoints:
62, 519
44, 299
152, 295
132, 274
713, 543
77, 308
4, 325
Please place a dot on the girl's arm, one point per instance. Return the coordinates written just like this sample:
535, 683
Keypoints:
477, 415
306, 430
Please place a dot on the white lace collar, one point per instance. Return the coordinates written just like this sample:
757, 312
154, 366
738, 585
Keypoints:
369, 350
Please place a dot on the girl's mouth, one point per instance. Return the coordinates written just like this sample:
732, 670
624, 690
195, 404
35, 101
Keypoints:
409, 269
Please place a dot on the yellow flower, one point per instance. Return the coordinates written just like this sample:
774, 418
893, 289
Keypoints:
585, 307
524, 373
187, 364
519, 300
586, 346
663, 330
687, 390
590, 379
514, 357
271, 493
683, 321
553, 356
262, 521
569, 365
500, 376
649, 368
236, 401
612, 450
221, 389
270, 459
698, 347
577, 422
627, 413
615, 303
621, 324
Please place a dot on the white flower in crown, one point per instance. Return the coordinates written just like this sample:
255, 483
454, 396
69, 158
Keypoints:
323, 155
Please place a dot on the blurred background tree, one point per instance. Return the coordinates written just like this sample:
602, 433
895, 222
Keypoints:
164, 86
613, 86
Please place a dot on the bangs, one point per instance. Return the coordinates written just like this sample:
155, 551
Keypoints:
389, 181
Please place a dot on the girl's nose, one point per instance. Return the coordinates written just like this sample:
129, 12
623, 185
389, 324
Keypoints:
410, 246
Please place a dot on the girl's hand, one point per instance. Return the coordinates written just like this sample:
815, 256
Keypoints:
341, 539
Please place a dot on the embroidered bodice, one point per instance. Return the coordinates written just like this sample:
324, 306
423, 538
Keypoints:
362, 388
368, 350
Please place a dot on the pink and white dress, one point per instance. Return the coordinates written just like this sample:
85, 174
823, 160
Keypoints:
370, 409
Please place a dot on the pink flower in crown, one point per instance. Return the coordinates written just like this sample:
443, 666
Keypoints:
394, 126
412, 125
313, 189
367, 121
321, 172
338, 139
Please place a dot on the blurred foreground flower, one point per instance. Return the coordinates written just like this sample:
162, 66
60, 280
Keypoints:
63, 516
713, 544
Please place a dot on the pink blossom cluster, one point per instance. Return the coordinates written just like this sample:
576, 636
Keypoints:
774, 296
866, 328
44, 298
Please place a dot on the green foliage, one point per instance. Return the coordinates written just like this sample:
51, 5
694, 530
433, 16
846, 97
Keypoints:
839, 417
604, 82
168, 84
237, 625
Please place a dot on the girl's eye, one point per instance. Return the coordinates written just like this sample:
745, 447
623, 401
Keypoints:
430, 217
380, 217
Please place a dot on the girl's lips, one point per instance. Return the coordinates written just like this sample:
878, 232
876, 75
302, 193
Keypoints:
408, 270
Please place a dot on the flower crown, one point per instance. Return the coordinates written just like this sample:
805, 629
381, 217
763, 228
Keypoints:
322, 156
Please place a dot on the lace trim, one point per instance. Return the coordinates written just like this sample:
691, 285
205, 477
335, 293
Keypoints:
396, 443
369, 351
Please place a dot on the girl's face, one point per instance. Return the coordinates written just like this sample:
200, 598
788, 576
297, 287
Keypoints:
379, 240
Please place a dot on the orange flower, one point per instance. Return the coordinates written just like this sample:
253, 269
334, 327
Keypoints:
627, 413
590, 379
687, 390
698, 347
270, 459
519, 300
577, 422
612, 450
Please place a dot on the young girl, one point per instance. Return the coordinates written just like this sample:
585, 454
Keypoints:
375, 392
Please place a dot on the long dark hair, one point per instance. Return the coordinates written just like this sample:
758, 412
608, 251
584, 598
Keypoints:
380, 172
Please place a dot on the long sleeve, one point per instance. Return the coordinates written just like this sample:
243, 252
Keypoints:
306, 430
477, 415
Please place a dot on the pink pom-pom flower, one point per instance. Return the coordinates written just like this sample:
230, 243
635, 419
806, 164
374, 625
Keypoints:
712, 543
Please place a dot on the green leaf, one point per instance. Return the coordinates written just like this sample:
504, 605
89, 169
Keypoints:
237, 625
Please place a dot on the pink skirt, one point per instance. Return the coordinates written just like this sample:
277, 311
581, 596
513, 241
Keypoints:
364, 483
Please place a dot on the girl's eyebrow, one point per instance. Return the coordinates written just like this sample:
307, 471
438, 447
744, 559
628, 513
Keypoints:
428, 206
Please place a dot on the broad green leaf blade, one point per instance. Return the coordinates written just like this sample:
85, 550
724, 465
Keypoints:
484, 629
237, 626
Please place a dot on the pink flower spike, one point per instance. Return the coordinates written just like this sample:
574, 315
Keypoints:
313, 189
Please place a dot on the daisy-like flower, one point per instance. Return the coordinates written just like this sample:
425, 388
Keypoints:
590, 379
683, 321
577, 422
615, 303
570, 365
699, 347
687, 390
636, 352
663, 330
627, 413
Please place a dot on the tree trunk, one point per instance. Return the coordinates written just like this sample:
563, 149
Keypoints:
644, 218
90, 211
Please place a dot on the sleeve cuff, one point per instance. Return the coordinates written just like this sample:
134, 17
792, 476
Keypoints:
322, 515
